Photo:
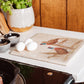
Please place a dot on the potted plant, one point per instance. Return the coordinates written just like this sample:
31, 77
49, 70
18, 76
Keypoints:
20, 15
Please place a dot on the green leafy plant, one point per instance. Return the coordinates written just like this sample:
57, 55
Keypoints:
7, 5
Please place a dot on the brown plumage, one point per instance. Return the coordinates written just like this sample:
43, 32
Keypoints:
61, 50
50, 42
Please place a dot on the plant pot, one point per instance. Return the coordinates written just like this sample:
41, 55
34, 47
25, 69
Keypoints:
21, 19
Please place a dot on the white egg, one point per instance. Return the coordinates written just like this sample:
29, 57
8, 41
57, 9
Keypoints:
32, 46
28, 41
20, 46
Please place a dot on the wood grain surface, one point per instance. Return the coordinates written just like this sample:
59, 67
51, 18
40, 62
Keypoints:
75, 15
36, 7
53, 13
60, 14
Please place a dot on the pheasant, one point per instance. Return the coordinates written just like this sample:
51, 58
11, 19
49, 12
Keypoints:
59, 50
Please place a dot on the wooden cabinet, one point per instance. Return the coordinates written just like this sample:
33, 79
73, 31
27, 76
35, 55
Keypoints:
75, 15
60, 14
53, 13
36, 7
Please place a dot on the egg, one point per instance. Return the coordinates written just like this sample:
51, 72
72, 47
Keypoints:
28, 41
20, 46
32, 46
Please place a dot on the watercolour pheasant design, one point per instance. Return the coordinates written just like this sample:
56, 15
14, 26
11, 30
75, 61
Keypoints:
59, 50
52, 42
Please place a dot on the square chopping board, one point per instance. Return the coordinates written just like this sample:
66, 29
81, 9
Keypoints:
53, 49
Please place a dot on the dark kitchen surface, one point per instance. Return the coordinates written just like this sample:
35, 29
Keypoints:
36, 75
78, 83
40, 76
